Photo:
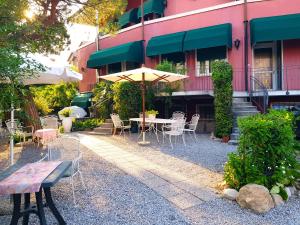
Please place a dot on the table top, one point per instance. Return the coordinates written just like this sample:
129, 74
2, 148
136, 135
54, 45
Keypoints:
50, 181
155, 120
45, 130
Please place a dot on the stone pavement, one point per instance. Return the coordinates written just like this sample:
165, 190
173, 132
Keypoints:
187, 187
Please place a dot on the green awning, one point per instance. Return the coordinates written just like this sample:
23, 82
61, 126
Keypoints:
128, 17
152, 6
165, 44
275, 28
82, 100
129, 52
219, 35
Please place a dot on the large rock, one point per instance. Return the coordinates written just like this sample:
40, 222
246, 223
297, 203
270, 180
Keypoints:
277, 199
255, 197
230, 194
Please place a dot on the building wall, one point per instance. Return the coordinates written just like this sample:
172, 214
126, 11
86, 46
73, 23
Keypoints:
226, 14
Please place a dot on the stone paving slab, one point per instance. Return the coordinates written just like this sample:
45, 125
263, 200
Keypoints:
178, 181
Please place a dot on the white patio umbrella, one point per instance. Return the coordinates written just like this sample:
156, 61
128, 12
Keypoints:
142, 75
53, 75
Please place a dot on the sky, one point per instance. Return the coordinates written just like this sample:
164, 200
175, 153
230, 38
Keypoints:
78, 33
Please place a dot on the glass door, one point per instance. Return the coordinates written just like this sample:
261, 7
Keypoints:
265, 65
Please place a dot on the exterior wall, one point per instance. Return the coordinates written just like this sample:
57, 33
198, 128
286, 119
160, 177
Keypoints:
206, 17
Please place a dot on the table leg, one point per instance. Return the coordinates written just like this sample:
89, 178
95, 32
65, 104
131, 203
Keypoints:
17, 207
26, 206
40, 207
52, 207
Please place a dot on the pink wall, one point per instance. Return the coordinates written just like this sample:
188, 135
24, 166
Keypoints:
291, 64
233, 15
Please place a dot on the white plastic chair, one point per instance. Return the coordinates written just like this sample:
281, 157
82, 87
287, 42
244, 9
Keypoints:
119, 124
176, 130
192, 125
67, 148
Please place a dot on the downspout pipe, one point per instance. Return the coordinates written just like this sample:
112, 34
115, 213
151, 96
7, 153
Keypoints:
246, 59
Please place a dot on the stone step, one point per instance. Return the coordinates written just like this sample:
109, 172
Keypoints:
242, 108
235, 100
235, 130
244, 113
107, 125
241, 104
234, 136
233, 142
108, 121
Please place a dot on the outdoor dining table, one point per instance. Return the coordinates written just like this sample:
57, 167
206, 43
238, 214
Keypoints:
154, 122
6, 184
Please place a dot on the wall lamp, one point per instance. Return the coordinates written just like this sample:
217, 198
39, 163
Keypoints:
237, 43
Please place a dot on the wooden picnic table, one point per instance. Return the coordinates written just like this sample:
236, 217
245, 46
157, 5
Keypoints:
58, 173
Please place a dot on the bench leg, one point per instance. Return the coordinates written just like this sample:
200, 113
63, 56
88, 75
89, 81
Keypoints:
40, 207
26, 206
17, 207
52, 207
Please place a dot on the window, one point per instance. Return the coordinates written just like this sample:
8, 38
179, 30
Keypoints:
205, 57
177, 58
114, 68
132, 65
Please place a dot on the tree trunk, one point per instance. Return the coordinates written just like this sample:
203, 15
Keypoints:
32, 115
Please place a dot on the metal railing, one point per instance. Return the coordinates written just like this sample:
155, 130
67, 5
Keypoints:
258, 94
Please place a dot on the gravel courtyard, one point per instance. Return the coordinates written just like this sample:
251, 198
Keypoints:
113, 196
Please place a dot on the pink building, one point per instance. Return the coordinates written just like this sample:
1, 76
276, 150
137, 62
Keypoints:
196, 32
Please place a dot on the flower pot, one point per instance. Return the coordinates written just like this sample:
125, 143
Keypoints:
67, 124
151, 116
225, 139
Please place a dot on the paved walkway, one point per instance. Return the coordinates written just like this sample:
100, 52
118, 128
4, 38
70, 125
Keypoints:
190, 186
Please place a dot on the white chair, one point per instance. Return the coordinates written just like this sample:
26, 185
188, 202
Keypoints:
140, 124
178, 115
119, 124
176, 130
67, 148
15, 127
192, 125
49, 122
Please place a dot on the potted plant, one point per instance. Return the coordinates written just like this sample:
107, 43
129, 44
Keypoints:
67, 120
152, 114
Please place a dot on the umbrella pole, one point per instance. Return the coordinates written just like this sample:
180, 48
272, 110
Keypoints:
11, 146
143, 142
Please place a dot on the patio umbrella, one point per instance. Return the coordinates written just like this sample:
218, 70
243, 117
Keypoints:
142, 75
54, 75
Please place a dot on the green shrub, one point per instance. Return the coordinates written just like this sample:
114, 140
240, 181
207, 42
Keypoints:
66, 112
266, 154
222, 81
103, 93
80, 125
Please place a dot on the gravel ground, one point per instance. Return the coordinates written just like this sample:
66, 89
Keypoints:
113, 197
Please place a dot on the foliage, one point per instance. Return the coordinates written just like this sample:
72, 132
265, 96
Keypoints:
54, 97
266, 153
61, 130
79, 125
103, 97
127, 99
66, 112
152, 112
222, 81
108, 12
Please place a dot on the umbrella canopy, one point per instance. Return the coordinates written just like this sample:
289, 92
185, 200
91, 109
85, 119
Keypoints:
150, 75
54, 75
142, 75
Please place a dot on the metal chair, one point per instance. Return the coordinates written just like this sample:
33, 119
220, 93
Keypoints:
140, 124
176, 130
192, 125
68, 148
178, 115
49, 122
119, 124
15, 127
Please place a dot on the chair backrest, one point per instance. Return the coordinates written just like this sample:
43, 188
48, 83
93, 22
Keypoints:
178, 126
141, 115
13, 125
194, 122
178, 115
116, 120
49, 122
